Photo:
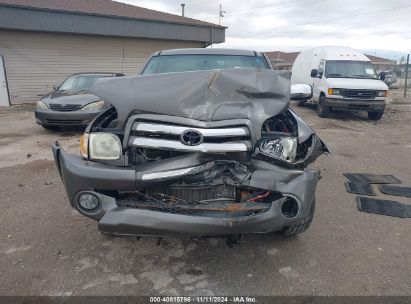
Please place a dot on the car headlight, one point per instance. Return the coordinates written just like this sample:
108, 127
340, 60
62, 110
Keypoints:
284, 148
382, 93
41, 105
93, 106
84, 145
104, 146
334, 92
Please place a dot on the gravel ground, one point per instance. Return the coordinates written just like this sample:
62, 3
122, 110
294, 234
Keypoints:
49, 249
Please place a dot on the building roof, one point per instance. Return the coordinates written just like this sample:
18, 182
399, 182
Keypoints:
105, 18
289, 58
380, 60
279, 56
105, 8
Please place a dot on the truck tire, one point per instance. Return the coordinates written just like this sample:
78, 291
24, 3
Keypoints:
301, 226
322, 110
375, 115
301, 103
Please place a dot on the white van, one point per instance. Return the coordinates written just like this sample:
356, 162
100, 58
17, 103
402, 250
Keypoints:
342, 79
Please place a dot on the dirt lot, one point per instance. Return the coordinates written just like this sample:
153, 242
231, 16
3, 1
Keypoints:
49, 249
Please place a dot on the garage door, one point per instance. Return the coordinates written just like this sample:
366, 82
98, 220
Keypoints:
36, 61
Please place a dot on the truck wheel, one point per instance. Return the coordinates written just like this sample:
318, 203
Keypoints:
375, 115
301, 226
322, 110
301, 103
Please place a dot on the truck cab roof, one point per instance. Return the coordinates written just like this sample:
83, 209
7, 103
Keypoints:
208, 51
338, 53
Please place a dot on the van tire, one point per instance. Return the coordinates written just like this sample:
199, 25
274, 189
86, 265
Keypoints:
375, 115
322, 110
301, 226
51, 128
301, 103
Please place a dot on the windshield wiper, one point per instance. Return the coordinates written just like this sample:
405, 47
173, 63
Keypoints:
336, 75
362, 76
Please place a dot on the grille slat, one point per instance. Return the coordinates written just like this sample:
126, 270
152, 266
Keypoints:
65, 107
65, 122
196, 193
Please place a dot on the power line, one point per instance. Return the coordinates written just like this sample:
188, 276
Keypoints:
282, 4
334, 19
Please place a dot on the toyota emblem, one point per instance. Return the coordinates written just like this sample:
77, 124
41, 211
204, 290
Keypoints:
191, 137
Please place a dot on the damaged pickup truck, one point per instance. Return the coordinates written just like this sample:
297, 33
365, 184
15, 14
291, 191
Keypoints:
202, 143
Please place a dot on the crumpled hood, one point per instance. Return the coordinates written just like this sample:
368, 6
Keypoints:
61, 97
202, 95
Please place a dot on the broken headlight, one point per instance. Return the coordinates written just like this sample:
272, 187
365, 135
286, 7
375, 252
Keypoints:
283, 148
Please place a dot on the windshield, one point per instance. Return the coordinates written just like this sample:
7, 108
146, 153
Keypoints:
184, 63
349, 69
80, 83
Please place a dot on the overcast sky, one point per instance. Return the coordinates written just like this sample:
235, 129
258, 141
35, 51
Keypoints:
380, 27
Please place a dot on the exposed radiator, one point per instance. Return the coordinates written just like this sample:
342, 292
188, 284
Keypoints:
195, 193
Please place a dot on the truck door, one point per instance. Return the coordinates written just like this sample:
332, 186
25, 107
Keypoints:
4, 92
317, 82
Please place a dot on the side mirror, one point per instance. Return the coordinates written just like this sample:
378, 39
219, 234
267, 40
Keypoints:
301, 92
314, 73
56, 87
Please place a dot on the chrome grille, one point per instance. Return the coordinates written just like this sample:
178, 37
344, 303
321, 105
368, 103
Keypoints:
153, 135
360, 94
65, 107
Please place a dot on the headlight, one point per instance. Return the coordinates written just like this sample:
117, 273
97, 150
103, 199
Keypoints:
94, 106
334, 92
284, 148
104, 146
84, 145
41, 105
382, 93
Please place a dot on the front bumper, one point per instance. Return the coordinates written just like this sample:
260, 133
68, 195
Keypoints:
71, 118
355, 105
79, 175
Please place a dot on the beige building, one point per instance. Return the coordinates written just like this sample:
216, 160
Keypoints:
43, 42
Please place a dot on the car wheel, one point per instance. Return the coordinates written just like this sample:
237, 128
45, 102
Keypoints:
322, 110
51, 128
301, 103
300, 226
375, 115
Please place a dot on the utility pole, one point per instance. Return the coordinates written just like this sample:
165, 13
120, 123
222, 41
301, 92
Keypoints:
182, 9
220, 15
406, 75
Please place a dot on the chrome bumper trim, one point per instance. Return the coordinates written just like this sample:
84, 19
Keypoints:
178, 130
177, 172
178, 146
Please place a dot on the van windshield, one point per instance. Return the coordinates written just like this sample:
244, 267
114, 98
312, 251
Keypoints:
349, 69
185, 63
